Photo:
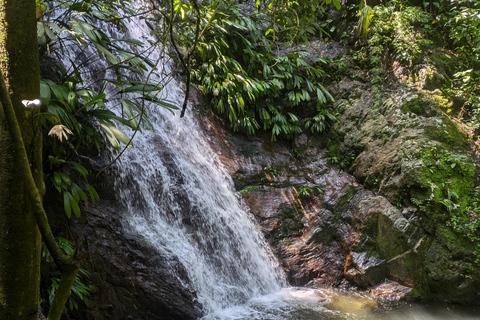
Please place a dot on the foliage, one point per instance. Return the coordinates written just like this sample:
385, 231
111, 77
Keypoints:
402, 32
343, 159
398, 34
250, 85
463, 24
294, 21
60, 175
79, 289
309, 190
270, 173
76, 116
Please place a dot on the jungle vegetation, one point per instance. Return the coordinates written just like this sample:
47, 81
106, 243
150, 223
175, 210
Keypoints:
247, 59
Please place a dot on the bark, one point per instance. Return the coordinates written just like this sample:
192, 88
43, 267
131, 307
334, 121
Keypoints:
21, 210
68, 265
19, 236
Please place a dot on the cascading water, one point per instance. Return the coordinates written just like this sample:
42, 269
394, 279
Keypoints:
180, 199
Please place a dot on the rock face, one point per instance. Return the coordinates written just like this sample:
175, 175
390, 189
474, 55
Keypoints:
385, 220
131, 279
408, 150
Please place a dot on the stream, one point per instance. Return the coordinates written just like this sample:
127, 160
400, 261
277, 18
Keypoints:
335, 304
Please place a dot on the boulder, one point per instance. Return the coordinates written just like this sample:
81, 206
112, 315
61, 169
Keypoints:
131, 279
365, 270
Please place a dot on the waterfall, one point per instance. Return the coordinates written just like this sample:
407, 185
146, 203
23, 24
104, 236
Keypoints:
181, 200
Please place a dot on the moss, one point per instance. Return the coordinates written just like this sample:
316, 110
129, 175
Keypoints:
456, 244
290, 222
344, 201
389, 242
448, 176
439, 101
248, 189
445, 192
447, 133
444, 63
19, 236
414, 106
412, 295
343, 158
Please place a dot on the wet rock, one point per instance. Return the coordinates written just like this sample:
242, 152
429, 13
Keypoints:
391, 291
131, 279
365, 270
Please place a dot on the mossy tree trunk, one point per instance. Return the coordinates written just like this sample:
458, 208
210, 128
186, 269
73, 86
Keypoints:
20, 241
22, 217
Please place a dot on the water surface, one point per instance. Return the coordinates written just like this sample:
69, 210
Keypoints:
332, 304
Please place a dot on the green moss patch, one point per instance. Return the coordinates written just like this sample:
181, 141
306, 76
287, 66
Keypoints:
446, 194
447, 133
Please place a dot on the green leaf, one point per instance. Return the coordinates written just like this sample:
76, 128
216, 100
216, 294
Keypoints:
337, 4
110, 136
45, 93
40, 29
57, 178
64, 177
75, 208
143, 88
132, 41
78, 193
60, 91
49, 32
93, 193
107, 53
127, 104
67, 199
122, 137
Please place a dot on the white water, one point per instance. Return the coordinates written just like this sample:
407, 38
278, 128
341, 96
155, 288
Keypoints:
181, 200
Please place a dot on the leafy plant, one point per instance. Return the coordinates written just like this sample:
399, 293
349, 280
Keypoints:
79, 289
249, 84
71, 192
343, 160
294, 21
394, 34
271, 172
80, 102
456, 159
308, 191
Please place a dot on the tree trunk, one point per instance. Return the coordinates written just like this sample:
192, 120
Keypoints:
20, 242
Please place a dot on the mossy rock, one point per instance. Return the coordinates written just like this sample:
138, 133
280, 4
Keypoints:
448, 134
456, 279
290, 223
458, 246
444, 62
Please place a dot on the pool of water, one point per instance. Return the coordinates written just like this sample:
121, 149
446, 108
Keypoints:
326, 304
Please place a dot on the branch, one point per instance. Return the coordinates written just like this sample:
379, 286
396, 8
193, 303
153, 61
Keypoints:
188, 55
68, 265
